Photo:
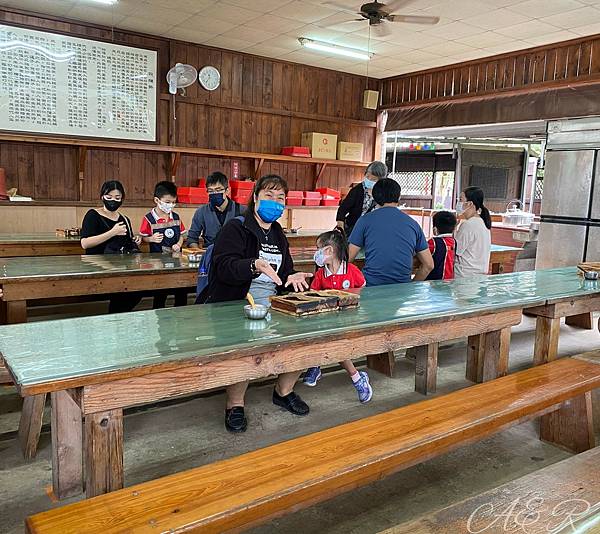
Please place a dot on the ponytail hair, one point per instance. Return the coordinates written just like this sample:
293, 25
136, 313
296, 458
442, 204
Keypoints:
475, 195
337, 239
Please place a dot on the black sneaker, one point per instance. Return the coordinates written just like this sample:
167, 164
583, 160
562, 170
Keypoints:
235, 420
291, 402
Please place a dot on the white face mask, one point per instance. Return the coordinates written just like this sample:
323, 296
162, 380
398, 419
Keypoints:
167, 207
460, 207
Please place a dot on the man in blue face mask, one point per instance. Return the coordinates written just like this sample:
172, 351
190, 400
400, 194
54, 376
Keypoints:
359, 200
208, 220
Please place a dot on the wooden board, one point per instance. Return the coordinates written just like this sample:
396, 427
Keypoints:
311, 302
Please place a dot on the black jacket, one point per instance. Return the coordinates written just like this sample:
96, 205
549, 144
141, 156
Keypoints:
234, 249
350, 209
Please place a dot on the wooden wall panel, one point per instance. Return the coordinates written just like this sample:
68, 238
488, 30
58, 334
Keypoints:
261, 105
554, 65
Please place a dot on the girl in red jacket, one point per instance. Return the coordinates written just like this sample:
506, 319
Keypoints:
335, 272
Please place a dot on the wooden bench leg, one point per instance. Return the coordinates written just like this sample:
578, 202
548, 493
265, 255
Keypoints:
571, 426
583, 320
30, 424
16, 311
487, 355
383, 363
546, 340
103, 452
426, 368
66, 428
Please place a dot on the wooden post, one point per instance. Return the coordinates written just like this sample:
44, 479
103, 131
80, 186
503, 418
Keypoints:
583, 320
67, 475
487, 355
426, 368
546, 339
319, 173
81, 158
258, 165
103, 452
175, 161
570, 427
30, 424
382, 363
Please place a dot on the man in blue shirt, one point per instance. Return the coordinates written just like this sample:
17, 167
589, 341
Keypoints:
390, 239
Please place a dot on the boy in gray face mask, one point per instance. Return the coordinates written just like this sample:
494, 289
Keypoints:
209, 219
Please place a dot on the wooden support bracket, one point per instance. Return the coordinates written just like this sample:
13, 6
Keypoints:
81, 157
175, 161
258, 165
319, 173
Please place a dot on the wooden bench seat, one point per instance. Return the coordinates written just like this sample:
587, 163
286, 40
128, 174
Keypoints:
254, 487
561, 493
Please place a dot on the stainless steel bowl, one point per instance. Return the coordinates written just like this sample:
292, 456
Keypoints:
591, 275
257, 313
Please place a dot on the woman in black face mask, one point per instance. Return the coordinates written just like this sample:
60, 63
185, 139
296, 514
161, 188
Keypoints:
106, 231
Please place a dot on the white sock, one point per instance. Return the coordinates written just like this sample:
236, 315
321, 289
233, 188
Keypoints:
355, 377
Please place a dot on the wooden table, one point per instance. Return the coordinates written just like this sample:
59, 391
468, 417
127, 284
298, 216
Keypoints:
42, 244
41, 277
161, 354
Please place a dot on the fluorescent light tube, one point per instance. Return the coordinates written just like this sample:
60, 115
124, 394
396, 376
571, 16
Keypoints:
334, 49
105, 2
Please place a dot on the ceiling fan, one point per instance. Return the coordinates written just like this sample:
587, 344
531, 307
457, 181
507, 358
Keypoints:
378, 15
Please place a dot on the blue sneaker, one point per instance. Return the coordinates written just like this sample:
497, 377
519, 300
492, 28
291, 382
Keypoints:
312, 375
363, 388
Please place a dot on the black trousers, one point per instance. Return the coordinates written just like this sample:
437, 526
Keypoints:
160, 297
124, 302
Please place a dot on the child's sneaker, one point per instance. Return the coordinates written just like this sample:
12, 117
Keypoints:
312, 375
363, 388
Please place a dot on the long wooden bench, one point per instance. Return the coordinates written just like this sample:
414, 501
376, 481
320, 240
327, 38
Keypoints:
561, 496
254, 487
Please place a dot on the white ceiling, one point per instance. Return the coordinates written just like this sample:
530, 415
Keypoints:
469, 29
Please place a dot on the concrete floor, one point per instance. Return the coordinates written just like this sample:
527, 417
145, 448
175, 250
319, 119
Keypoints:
165, 439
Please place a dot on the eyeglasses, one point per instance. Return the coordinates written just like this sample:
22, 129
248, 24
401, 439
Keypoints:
216, 191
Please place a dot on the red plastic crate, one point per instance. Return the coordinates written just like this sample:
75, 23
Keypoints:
192, 199
312, 202
326, 192
312, 195
330, 202
294, 201
241, 198
190, 191
298, 151
238, 185
295, 194
202, 183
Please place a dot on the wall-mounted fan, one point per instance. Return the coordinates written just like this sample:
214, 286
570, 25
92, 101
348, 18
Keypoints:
378, 15
178, 78
181, 76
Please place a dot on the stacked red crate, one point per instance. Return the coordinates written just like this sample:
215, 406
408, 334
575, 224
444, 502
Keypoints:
294, 198
298, 151
192, 195
312, 198
241, 191
330, 197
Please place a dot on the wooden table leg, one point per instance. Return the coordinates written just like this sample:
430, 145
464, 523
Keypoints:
16, 311
426, 368
30, 424
103, 452
546, 339
487, 355
383, 363
67, 474
570, 427
583, 320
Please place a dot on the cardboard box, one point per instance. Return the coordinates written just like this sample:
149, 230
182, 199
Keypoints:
322, 146
350, 151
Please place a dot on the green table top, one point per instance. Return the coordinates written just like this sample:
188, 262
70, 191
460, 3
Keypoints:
47, 351
502, 248
40, 267
41, 237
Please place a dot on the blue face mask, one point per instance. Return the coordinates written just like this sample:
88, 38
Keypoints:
369, 184
216, 199
269, 210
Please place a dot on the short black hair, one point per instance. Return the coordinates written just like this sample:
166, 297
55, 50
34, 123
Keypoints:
444, 222
269, 181
217, 177
164, 188
386, 191
111, 185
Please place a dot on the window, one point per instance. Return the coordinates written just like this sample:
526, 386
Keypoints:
493, 181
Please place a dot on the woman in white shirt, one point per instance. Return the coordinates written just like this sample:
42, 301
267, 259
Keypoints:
473, 236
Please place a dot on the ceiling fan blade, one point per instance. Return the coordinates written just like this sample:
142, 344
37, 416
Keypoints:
340, 7
381, 29
413, 19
